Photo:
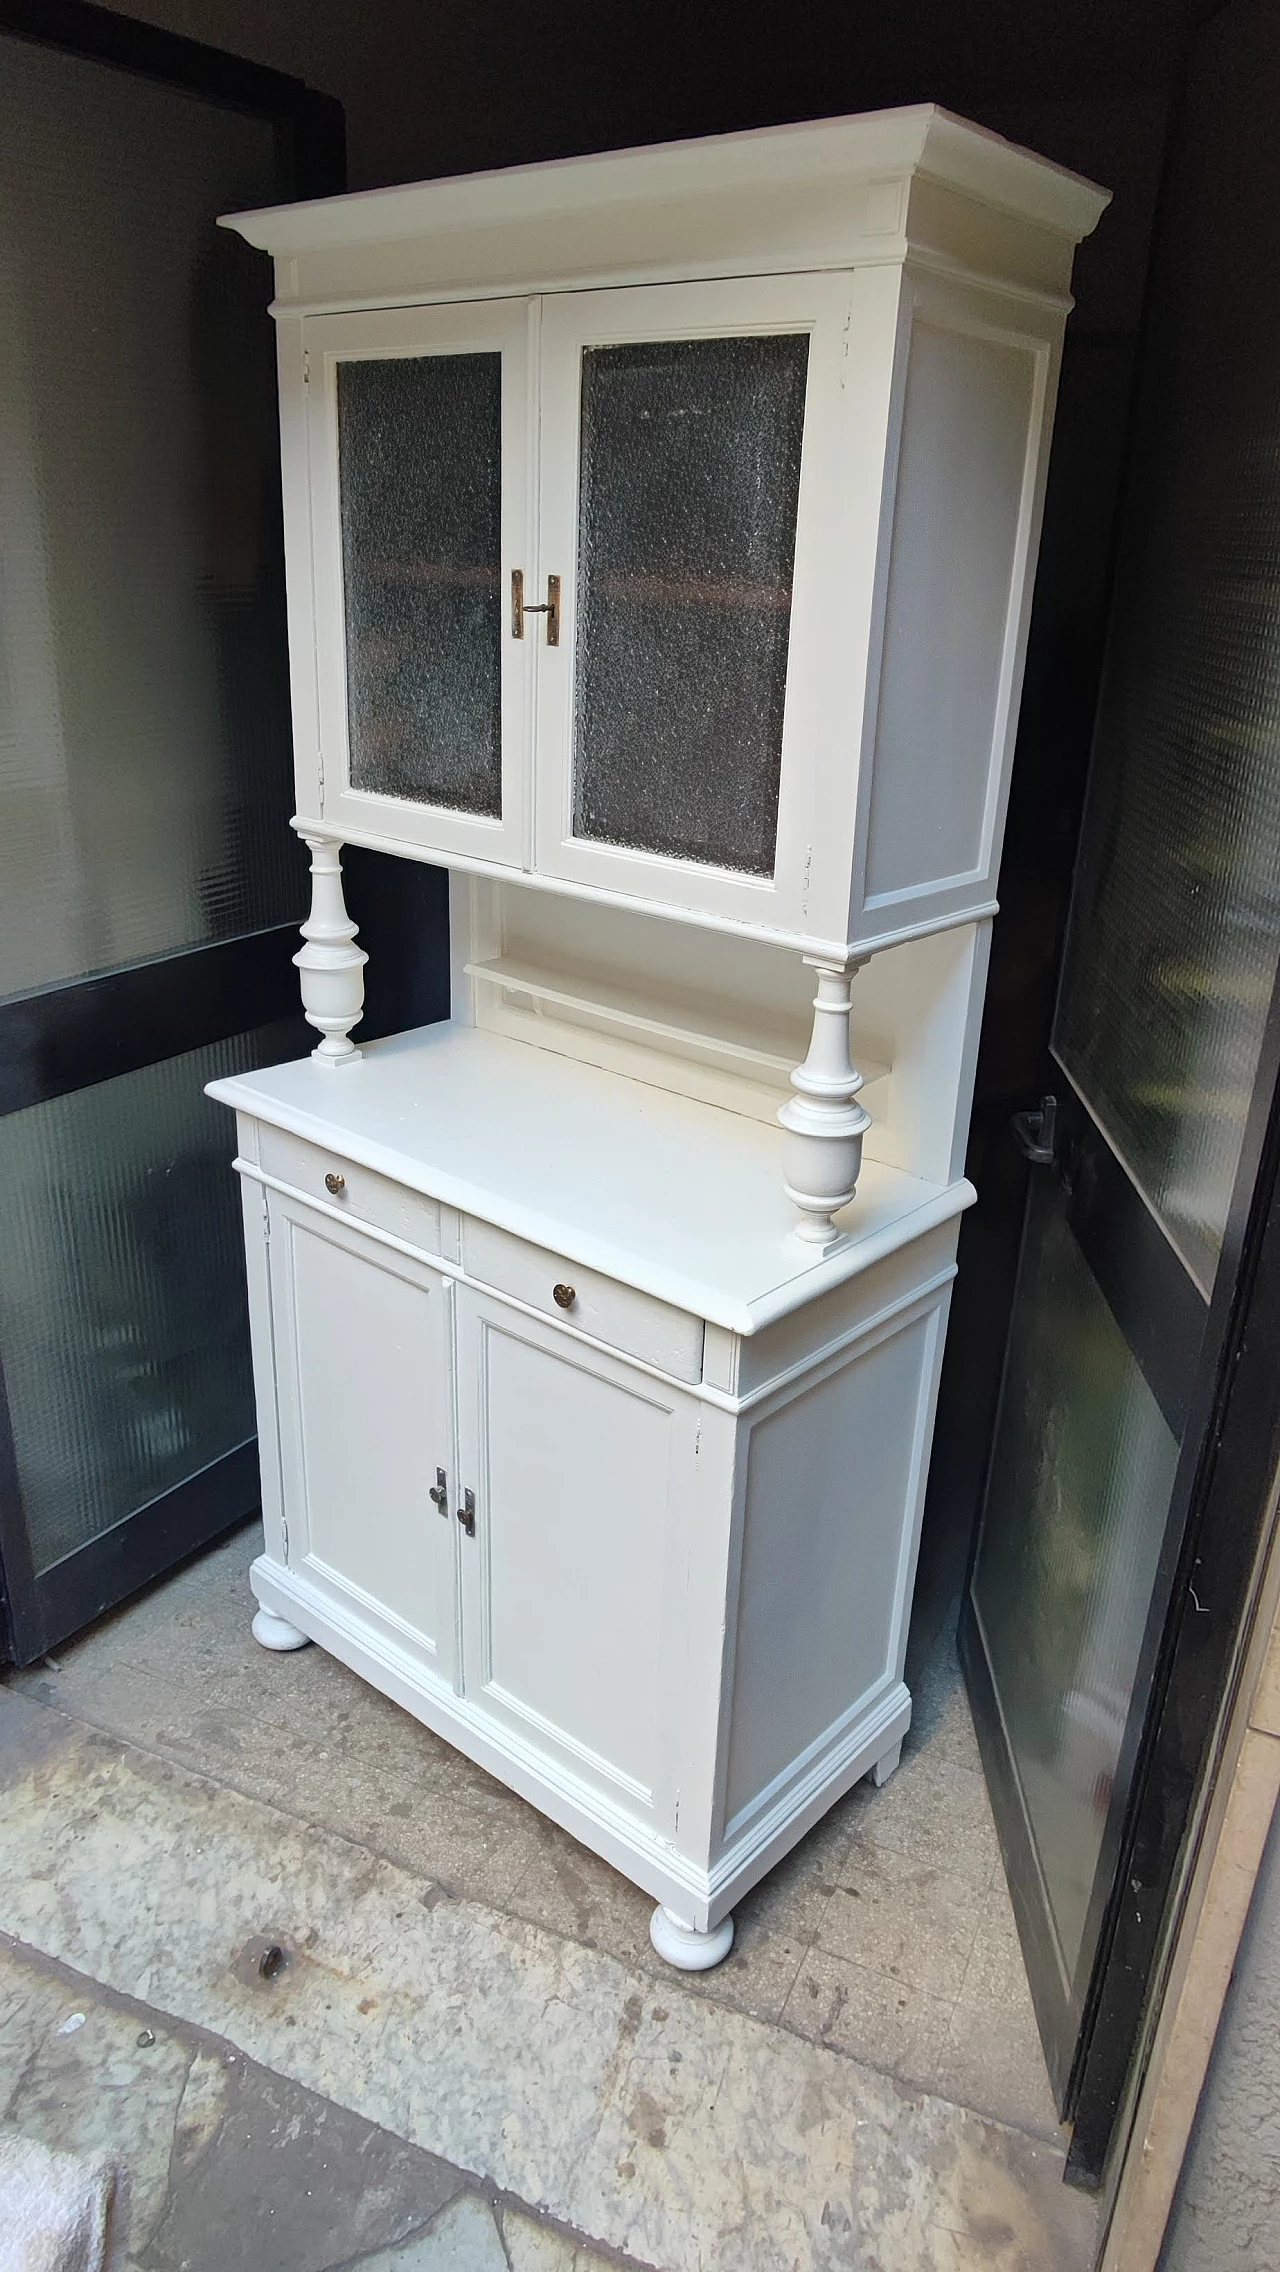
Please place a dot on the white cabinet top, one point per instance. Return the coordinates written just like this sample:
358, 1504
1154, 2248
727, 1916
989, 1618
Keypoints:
828, 193
668, 1195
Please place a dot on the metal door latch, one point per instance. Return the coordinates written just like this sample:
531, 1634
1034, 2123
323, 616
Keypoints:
1033, 1132
550, 607
467, 1513
439, 1491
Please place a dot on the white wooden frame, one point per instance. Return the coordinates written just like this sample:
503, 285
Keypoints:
841, 478
490, 326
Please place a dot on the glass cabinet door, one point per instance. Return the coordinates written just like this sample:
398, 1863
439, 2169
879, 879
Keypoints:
418, 453
693, 441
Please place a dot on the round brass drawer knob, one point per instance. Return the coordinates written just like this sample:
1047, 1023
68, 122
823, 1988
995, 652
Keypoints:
337, 1184
564, 1297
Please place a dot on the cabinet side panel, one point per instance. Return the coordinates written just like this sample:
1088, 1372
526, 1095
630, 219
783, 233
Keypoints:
829, 1505
958, 516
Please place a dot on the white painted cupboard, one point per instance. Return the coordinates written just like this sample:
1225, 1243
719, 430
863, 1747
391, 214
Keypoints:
660, 530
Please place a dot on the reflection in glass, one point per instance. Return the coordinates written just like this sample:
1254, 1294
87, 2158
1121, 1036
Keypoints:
1079, 1491
690, 480
122, 1304
420, 453
1175, 923
145, 751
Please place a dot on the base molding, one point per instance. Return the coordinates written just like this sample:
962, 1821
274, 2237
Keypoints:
699, 1897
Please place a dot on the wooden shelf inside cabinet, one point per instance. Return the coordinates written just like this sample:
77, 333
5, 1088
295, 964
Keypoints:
753, 1050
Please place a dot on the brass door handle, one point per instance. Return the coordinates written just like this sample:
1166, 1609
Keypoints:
550, 607
335, 1183
564, 1297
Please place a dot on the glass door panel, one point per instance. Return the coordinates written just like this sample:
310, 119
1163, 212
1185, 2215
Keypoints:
1077, 1501
420, 479
418, 424
688, 488
690, 436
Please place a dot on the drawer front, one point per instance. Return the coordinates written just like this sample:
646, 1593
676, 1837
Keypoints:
365, 1196
638, 1324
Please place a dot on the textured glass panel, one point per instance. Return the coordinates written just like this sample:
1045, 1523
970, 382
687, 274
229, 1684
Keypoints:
145, 762
1076, 1507
122, 1301
420, 452
690, 478
1175, 921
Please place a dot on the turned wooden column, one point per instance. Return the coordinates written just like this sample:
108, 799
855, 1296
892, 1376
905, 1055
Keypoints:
824, 1124
331, 965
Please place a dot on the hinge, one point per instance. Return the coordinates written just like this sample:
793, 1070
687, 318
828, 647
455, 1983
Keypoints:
320, 778
284, 1535
306, 367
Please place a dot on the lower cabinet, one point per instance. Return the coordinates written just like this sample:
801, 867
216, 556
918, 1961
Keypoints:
362, 1348
673, 1620
581, 1466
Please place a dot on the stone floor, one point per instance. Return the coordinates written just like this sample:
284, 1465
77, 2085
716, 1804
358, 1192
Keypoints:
470, 2054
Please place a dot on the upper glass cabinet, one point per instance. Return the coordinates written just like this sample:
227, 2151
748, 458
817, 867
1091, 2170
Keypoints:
661, 525
418, 454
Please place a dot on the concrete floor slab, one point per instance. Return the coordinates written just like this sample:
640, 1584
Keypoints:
662, 2124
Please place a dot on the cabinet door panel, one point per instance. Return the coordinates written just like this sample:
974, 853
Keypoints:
578, 1464
703, 462
418, 445
362, 1363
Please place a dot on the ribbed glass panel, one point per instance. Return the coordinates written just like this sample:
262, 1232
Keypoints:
1076, 1506
420, 458
122, 1302
689, 486
1175, 923
144, 721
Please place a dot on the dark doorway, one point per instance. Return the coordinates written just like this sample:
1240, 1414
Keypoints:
1146, 1152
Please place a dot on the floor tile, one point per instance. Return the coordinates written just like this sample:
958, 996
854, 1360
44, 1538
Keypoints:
990, 2055
871, 2015
915, 1923
935, 1813
464, 2239
536, 2248
92, 2084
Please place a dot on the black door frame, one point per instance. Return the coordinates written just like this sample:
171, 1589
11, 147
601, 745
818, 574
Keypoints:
69, 1037
64, 1038
1219, 1517
1221, 1507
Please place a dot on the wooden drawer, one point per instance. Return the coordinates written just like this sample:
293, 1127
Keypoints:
638, 1324
366, 1197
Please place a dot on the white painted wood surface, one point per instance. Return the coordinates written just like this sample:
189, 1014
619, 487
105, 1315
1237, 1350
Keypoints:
661, 1193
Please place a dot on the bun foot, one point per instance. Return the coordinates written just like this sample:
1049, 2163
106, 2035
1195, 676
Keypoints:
685, 1948
276, 1632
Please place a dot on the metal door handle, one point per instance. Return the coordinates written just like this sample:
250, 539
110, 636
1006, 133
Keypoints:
467, 1513
439, 1491
1033, 1132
